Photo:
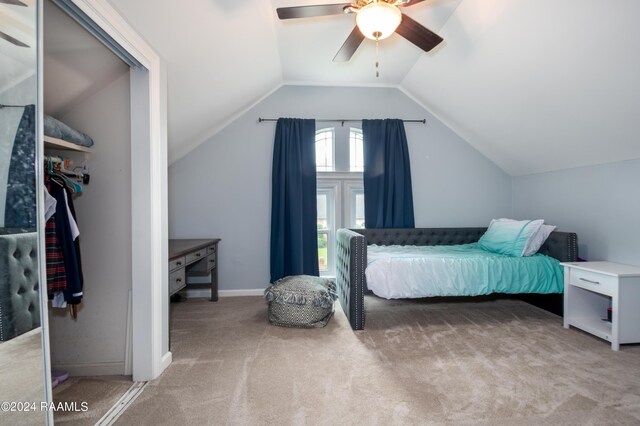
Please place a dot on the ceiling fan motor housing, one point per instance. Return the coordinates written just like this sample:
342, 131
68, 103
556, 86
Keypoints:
378, 20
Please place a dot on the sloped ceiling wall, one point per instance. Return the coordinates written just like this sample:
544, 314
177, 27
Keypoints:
538, 85
535, 85
76, 65
221, 56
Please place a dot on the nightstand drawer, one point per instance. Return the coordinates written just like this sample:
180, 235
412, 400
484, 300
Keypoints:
195, 256
593, 281
176, 281
176, 263
211, 249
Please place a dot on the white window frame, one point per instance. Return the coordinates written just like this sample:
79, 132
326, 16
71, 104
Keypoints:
332, 190
351, 187
341, 184
331, 130
355, 130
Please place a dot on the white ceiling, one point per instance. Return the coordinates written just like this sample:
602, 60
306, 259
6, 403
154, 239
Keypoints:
221, 56
307, 46
534, 85
76, 65
538, 85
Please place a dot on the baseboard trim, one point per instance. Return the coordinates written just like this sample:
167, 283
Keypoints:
97, 369
165, 361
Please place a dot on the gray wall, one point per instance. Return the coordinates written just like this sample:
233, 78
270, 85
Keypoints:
222, 188
601, 203
95, 343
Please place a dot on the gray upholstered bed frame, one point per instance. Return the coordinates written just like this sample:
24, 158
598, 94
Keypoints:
19, 298
351, 256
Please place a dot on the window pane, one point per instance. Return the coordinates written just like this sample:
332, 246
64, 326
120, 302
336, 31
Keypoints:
325, 226
356, 156
323, 255
324, 150
356, 208
323, 219
359, 204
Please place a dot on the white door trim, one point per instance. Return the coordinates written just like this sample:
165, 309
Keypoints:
148, 190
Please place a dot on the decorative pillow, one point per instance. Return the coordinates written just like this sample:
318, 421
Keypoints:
509, 237
538, 239
301, 301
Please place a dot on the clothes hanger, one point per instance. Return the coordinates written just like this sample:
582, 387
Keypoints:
75, 187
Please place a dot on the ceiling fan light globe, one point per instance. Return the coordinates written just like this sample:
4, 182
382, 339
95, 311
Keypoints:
378, 19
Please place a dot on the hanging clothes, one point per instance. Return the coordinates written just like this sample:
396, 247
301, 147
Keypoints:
56, 273
76, 238
63, 229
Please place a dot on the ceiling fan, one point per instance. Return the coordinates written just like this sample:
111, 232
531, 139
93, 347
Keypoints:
6, 36
375, 19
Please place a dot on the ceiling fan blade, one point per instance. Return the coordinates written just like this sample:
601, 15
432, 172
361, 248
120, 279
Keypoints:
12, 40
350, 46
409, 3
14, 2
310, 11
417, 34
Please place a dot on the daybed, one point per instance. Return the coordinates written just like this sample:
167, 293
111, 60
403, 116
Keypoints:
19, 299
351, 256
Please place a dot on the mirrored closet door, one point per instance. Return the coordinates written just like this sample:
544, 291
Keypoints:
22, 370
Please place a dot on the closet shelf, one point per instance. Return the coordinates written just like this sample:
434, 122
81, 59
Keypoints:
55, 143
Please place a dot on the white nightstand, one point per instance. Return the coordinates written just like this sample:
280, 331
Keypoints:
592, 287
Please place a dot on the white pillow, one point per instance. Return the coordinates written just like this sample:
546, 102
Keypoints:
507, 236
536, 240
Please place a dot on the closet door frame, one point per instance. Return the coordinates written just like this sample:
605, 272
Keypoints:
149, 240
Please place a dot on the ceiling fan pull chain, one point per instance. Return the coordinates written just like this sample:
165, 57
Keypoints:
377, 54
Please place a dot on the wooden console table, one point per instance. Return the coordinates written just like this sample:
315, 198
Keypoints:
192, 258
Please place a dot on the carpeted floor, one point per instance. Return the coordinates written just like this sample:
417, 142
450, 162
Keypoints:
22, 373
494, 363
100, 393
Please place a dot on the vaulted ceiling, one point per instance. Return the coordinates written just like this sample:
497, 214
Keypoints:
535, 85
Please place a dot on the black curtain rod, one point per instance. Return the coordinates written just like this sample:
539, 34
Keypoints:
341, 120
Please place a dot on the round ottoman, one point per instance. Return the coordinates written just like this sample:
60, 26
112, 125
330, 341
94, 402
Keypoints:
301, 301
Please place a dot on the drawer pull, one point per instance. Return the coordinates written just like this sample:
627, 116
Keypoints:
179, 280
589, 281
179, 263
197, 254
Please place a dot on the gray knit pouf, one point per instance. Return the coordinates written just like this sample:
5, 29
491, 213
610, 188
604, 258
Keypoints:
301, 301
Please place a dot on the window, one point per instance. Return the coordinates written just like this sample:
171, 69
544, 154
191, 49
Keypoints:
324, 150
326, 228
340, 194
356, 155
356, 207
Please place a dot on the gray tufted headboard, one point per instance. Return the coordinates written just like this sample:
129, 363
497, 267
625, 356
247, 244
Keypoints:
19, 299
351, 256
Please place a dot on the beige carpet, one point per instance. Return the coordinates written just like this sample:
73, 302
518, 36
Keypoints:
22, 373
100, 393
492, 363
